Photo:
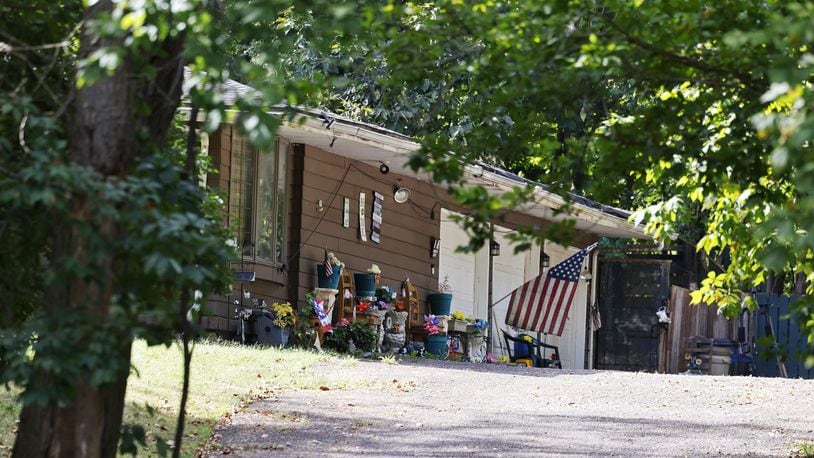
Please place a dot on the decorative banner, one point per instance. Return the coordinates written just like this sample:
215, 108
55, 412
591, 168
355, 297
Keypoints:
346, 213
362, 233
376, 218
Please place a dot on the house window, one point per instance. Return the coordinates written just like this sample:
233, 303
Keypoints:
257, 199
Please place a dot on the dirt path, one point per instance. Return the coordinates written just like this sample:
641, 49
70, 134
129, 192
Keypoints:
434, 408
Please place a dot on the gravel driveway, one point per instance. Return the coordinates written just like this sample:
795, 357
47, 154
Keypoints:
439, 408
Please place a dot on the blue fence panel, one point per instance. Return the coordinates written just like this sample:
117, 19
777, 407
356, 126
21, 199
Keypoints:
791, 342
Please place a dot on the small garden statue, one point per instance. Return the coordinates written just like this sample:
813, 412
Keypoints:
394, 330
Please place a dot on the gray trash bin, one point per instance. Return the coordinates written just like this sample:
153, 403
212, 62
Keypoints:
267, 333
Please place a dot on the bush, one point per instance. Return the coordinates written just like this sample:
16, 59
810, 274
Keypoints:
362, 334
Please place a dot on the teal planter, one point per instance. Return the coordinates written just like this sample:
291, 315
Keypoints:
440, 303
331, 282
365, 285
437, 345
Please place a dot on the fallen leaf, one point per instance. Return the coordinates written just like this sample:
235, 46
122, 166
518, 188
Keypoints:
324, 388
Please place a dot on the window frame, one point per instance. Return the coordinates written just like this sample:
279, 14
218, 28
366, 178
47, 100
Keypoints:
278, 154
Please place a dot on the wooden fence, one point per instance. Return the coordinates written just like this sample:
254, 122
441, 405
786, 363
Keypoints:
791, 343
703, 320
687, 321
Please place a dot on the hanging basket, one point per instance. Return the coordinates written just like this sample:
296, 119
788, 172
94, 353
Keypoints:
329, 282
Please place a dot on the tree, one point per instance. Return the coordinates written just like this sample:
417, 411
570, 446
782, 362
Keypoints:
108, 234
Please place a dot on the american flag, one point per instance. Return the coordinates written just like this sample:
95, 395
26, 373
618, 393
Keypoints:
329, 268
542, 303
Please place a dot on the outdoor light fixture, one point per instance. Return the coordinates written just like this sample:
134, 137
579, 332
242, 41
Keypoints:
494, 248
384, 169
545, 260
586, 275
401, 195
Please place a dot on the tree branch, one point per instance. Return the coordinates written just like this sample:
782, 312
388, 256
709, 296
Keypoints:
746, 79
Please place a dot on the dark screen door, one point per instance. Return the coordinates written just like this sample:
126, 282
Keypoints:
629, 296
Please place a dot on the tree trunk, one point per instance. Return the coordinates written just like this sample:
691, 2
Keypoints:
106, 134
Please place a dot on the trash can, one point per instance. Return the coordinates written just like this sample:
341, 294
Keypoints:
721, 357
741, 364
267, 333
719, 364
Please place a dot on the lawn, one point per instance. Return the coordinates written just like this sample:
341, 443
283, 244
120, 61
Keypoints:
224, 375
9, 411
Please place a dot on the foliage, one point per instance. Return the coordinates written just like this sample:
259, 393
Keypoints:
152, 390
694, 112
805, 450
108, 243
362, 335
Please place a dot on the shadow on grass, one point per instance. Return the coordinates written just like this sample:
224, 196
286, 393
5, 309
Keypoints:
159, 427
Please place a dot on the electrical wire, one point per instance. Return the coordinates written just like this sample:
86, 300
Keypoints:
325, 213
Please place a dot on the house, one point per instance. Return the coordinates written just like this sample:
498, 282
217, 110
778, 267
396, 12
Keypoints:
290, 204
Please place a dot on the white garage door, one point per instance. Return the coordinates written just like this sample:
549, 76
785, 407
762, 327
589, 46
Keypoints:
458, 268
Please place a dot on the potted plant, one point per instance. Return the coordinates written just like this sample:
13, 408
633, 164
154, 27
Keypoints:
441, 302
436, 335
458, 322
350, 337
366, 282
329, 271
282, 319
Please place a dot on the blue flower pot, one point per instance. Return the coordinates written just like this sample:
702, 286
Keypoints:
437, 345
365, 285
331, 282
440, 303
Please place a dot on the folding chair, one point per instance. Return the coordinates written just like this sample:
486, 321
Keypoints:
530, 351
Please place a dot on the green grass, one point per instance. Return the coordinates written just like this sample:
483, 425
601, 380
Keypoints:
224, 377
9, 411
805, 450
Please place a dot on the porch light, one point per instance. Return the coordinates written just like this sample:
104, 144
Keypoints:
545, 260
586, 274
494, 248
401, 195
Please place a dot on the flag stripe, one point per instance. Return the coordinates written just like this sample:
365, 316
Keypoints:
516, 306
535, 303
543, 306
526, 303
557, 306
567, 309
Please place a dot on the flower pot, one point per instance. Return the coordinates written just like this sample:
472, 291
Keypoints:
440, 303
437, 345
365, 285
328, 282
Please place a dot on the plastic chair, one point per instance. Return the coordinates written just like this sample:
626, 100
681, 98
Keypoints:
530, 351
